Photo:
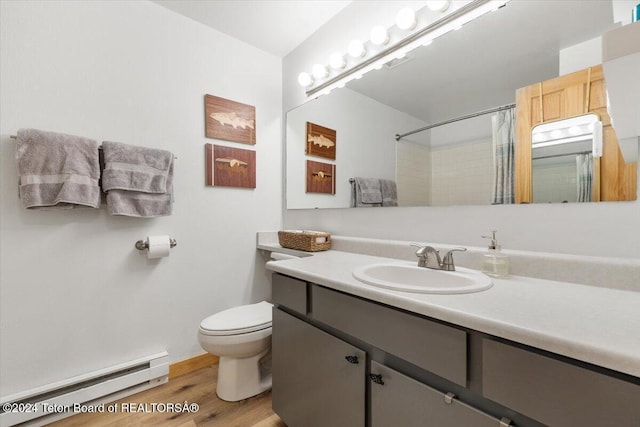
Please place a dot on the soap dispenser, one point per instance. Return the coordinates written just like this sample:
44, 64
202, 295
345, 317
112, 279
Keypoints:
495, 263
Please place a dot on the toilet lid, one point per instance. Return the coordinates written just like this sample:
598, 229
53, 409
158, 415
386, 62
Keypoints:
238, 320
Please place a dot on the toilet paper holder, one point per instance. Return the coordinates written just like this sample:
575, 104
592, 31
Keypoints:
141, 245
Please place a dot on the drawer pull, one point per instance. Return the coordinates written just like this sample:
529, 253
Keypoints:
376, 378
352, 359
505, 422
448, 398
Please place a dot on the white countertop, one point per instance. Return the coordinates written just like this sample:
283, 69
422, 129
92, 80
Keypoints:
595, 325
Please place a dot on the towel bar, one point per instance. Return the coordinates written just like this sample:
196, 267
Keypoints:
141, 245
99, 148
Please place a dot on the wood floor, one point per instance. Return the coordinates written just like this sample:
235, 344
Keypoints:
195, 387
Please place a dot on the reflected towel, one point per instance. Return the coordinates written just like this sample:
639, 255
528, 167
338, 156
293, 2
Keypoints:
365, 192
57, 171
138, 180
389, 192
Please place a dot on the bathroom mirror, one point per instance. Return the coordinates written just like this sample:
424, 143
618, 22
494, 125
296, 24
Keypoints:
564, 160
476, 68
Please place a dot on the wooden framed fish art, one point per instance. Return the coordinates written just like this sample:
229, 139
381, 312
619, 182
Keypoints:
230, 167
229, 120
321, 141
321, 177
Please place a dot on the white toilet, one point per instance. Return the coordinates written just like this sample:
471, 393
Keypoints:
241, 336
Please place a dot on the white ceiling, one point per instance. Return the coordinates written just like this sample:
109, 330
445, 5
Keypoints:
275, 26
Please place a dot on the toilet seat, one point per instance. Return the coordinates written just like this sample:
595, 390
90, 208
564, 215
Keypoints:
238, 320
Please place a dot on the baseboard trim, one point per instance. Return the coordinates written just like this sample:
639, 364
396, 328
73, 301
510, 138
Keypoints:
191, 364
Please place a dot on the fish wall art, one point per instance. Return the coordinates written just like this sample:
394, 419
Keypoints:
230, 167
229, 120
321, 177
321, 141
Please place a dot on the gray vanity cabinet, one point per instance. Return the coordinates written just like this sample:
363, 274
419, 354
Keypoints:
398, 400
435, 347
318, 379
340, 360
554, 392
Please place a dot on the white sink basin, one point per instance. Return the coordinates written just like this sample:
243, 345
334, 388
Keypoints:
408, 277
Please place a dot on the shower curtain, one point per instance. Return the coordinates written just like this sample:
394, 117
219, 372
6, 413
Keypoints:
503, 156
584, 176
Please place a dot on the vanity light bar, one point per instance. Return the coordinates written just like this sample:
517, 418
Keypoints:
425, 36
579, 128
560, 141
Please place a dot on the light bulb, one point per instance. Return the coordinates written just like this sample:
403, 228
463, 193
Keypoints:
538, 137
336, 61
304, 79
319, 71
379, 35
406, 19
427, 42
574, 130
356, 48
438, 5
556, 133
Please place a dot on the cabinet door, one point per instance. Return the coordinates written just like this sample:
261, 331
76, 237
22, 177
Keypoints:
556, 393
403, 401
318, 379
435, 347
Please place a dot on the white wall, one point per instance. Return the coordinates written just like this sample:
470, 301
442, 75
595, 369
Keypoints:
462, 174
580, 56
75, 295
413, 173
365, 144
607, 229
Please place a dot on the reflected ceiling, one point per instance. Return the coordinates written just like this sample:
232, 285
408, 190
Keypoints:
456, 75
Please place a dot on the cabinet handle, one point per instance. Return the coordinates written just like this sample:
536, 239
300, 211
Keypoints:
376, 378
352, 359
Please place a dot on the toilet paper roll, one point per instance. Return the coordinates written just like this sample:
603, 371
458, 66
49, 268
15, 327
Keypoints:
159, 246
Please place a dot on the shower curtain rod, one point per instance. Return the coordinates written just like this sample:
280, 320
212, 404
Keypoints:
457, 119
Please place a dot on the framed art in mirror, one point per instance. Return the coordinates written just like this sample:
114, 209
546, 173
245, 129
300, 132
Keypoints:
321, 141
321, 177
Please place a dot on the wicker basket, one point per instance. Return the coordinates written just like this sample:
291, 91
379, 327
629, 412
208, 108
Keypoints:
310, 241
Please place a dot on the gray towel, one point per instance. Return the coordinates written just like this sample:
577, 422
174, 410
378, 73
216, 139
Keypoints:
57, 171
138, 180
366, 192
389, 192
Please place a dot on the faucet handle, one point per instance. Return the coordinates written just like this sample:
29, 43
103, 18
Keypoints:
421, 253
421, 248
447, 260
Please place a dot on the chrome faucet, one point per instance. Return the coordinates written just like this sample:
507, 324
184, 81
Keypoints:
429, 257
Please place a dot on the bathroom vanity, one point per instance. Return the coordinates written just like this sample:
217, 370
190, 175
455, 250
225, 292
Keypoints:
526, 352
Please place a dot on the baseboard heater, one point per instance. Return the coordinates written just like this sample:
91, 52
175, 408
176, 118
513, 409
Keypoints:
55, 401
